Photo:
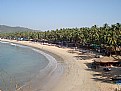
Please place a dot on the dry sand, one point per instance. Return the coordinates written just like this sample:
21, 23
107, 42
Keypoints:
76, 76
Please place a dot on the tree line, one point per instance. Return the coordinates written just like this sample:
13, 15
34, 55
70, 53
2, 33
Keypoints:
108, 36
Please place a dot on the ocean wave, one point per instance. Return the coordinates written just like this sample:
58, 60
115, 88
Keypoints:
52, 67
3, 42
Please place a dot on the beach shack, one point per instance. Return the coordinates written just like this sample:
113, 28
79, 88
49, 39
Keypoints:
107, 61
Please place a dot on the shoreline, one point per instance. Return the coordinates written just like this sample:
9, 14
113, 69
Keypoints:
76, 76
47, 73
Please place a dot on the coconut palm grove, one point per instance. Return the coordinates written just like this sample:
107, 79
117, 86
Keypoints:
105, 39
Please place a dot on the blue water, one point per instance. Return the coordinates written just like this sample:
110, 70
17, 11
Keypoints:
18, 64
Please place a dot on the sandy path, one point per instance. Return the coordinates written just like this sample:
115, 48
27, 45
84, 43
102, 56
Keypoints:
75, 76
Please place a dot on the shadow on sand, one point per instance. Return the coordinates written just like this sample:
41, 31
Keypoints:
104, 76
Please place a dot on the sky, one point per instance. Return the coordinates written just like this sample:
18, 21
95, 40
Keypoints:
56, 14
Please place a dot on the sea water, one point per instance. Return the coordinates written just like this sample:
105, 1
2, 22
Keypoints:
18, 64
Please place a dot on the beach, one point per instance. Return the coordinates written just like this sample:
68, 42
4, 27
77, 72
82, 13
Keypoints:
73, 75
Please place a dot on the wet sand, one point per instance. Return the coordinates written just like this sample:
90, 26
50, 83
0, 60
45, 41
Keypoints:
75, 76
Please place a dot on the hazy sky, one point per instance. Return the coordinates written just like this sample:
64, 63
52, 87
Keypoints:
53, 14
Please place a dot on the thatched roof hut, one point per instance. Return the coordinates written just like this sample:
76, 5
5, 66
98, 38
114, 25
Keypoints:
107, 61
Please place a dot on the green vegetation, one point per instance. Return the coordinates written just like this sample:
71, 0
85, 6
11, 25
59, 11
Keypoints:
108, 37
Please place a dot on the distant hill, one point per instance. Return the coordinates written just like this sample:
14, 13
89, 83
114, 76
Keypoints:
8, 29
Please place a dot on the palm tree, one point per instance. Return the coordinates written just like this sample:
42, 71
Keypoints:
109, 36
